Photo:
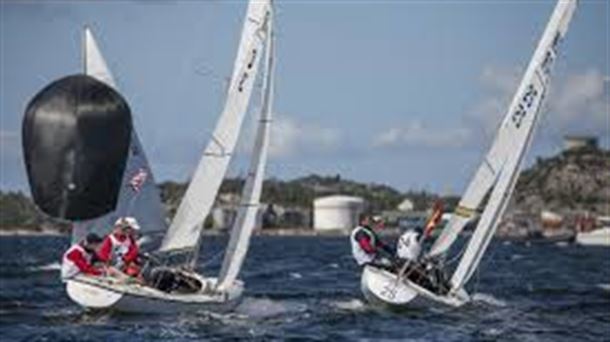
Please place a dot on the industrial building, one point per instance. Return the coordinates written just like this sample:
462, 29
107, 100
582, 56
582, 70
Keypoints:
337, 212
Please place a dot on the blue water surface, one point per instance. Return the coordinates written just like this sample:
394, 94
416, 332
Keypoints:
307, 288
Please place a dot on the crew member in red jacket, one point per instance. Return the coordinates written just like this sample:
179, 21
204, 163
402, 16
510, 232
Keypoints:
119, 248
367, 247
79, 258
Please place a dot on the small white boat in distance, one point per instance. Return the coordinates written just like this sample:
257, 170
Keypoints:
495, 179
596, 237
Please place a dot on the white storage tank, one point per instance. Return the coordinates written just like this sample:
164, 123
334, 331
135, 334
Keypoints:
337, 212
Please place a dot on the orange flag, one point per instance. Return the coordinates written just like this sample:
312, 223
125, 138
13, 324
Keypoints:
435, 218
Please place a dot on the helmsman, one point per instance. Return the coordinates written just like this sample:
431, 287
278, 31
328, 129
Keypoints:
367, 247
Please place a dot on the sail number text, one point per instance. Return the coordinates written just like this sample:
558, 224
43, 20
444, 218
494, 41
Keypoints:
524, 105
389, 291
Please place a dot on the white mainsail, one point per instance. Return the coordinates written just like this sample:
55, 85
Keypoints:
185, 230
139, 196
250, 198
492, 164
514, 139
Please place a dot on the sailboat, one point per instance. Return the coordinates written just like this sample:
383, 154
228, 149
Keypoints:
495, 179
138, 195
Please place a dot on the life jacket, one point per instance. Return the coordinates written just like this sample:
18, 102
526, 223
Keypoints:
408, 246
119, 250
68, 267
361, 256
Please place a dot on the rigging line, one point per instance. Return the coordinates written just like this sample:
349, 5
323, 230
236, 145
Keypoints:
490, 260
213, 258
475, 288
457, 256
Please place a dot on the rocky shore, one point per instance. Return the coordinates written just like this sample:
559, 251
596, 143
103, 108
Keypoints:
566, 187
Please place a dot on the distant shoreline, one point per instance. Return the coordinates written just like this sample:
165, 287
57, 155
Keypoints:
209, 232
26, 232
287, 232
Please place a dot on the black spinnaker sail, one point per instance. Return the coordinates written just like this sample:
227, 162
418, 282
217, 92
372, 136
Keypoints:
76, 137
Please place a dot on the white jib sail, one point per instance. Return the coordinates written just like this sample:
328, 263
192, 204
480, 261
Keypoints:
139, 196
488, 171
470, 201
519, 125
250, 199
185, 230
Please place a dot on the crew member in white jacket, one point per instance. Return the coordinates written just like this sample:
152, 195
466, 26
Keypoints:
408, 247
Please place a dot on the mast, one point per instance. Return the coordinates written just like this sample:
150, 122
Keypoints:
515, 137
83, 49
250, 199
185, 230
141, 200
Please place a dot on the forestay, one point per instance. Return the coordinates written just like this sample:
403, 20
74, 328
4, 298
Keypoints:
513, 141
185, 229
139, 196
250, 198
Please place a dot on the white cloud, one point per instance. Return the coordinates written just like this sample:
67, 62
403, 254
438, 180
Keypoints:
289, 137
580, 101
499, 83
416, 134
482, 119
577, 102
500, 78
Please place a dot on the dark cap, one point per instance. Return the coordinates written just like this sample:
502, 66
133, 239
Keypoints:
93, 238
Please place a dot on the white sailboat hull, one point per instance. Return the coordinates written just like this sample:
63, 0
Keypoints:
99, 293
597, 237
381, 288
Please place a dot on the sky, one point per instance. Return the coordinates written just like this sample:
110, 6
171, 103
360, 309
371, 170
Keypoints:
404, 93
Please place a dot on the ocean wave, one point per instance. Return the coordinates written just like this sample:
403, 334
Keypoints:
265, 308
54, 266
488, 299
349, 305
604, 287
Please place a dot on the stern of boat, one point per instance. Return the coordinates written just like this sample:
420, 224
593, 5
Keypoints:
92, 296
382, 287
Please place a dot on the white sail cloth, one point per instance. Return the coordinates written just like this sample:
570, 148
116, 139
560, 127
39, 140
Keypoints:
139, 196
250, 199
515, 137
533, 86
185, 230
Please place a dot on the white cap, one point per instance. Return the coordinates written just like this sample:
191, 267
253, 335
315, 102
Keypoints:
376, 218
128, 221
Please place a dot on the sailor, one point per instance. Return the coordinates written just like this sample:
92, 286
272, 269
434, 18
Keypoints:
425, 272
79, 258
408, 247
367, 247
119, 248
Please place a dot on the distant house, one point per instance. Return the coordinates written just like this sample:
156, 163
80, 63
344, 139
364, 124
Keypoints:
577, 142
406, 205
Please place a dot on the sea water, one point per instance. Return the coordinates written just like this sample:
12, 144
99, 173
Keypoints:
308, 288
